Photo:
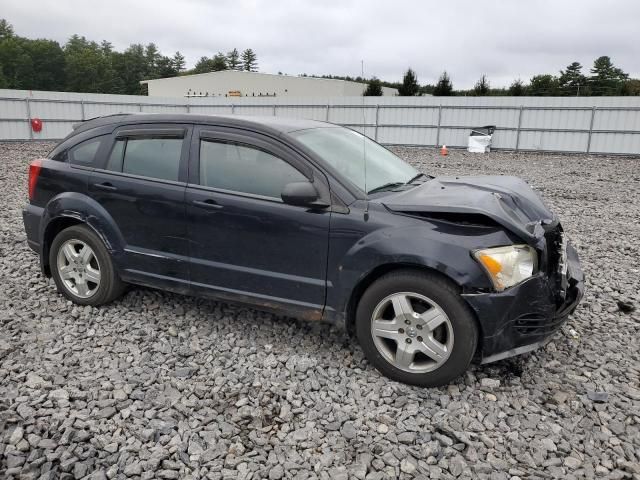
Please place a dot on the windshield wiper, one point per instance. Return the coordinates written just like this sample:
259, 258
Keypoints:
386, 186
417, 177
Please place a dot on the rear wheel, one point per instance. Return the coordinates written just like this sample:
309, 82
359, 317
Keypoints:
415, 328
82, 268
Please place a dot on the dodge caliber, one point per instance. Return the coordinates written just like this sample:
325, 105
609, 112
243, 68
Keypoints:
310, 220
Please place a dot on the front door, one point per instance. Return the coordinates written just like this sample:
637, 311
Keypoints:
245, 243
141, 184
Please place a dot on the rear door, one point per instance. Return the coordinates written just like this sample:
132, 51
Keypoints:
141, 184
245, 242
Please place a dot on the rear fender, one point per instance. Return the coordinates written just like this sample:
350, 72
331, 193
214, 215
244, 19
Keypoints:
82, 209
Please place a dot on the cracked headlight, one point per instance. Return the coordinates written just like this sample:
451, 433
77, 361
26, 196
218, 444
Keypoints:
507, 266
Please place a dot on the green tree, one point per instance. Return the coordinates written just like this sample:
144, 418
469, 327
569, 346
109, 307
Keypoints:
3, 80
606, 79
374, 88
87, 67
409, 87
631, 87
152, 56
444, 87
166, 68
517, 88
178, 62
482, 86
233, 60
544, 86
572, 81
249, 61
6, 29
219, 62
203, 65
49, 62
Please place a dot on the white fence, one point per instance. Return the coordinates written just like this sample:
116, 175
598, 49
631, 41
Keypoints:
607, 125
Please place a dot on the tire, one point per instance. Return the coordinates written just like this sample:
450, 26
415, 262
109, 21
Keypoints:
436, 329
89, 275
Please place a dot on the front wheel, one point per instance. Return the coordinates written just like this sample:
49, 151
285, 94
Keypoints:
82, 268
415, 328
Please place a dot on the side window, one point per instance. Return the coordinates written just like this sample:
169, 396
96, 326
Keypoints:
148, 157
241, 168
84, 153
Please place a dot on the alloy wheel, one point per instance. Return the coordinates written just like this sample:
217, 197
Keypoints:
412, 332
78, 268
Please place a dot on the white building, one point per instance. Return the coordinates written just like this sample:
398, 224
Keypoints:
233, 83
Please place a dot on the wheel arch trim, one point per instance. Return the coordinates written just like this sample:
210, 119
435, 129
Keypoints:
72, 208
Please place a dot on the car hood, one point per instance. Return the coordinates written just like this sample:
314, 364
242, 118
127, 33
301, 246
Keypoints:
507, 200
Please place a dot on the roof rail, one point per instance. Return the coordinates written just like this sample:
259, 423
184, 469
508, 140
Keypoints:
76, 125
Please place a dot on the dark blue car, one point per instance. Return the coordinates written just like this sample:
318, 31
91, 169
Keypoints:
286, 215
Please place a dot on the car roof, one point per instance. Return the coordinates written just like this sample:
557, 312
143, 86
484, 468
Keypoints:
267, 124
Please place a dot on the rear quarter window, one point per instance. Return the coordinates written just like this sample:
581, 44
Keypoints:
84, 153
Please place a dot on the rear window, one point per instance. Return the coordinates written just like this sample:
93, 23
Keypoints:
84, 153
147, 157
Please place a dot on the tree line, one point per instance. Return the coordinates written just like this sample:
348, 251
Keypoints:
81, 65
605, 79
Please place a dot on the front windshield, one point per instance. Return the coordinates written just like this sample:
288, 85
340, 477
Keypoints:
343, 149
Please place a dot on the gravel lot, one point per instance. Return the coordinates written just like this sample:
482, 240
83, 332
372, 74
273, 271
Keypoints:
162, 386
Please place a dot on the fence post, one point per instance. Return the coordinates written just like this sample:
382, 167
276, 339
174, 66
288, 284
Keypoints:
593, 116
188, 106
375, 136
438, 130
82, 110
274, 109
518, 130
326, 116
233, 108
29, 118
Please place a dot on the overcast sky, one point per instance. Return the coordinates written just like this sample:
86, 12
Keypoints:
505, 39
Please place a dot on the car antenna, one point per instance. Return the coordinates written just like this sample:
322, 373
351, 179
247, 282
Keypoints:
364, 149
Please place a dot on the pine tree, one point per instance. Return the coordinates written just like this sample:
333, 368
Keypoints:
219, 62
374, 88
606, 79
178, 62
517, 88
233, 60
6, 29
152, 55
409, 87
204, 65
482, 86
572, 81
444, 87
249, 61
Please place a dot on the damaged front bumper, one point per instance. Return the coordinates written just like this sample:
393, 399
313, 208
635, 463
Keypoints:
524, 317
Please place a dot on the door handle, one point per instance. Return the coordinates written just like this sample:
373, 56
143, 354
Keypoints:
208, 203
105, 186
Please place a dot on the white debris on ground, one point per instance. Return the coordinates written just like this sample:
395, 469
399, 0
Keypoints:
158, 385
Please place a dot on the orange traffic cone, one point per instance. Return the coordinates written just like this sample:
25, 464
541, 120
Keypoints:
443, 151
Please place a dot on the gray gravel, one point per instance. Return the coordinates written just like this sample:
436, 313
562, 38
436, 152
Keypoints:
162, 386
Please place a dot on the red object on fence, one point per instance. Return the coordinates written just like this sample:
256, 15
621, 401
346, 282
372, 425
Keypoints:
36, 125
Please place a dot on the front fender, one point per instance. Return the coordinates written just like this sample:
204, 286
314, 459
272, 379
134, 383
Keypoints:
84, 209
421, 244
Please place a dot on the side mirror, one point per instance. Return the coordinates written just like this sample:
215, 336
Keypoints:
301, 194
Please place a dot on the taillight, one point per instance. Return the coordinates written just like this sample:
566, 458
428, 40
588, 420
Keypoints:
34, 171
